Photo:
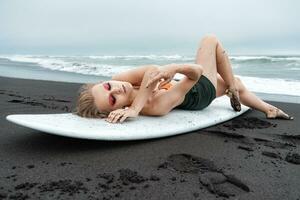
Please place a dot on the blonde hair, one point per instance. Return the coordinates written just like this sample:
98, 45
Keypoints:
86, 103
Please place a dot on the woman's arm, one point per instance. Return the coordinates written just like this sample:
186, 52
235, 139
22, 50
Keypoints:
138, 103
154, 74
133, 76
192, 71
167, 72
144, 92
166, 101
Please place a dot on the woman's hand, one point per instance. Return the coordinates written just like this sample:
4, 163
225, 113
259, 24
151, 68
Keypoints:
167, 73
121, 114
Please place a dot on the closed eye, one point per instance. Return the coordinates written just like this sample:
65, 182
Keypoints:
112, 99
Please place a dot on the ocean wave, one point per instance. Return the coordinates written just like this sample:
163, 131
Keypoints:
53, 63
105, 65
264, 58
242, 58
136, 57
175, 57
190, 58
272, 86
96, 65
294, 69
82, 64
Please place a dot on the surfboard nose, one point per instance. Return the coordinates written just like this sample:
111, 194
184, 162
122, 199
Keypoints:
9, 118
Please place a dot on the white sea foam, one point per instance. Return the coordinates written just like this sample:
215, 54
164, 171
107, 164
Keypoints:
293, 64
294, 68
248, 57
93, 65
272, 86
57, 63
150, 57
286, 58
267, 58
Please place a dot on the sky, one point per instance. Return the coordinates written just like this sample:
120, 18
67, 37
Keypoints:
139, 26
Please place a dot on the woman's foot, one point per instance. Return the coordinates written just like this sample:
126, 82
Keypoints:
233, 94
275, 113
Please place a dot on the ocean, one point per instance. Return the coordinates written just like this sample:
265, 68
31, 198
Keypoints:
271, 77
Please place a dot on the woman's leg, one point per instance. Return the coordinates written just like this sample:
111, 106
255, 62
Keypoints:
206, 56
224, 66
214, 60
251, 100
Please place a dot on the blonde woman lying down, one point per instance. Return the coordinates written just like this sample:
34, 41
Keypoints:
151, 90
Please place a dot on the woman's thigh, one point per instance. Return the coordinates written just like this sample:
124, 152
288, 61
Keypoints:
221, 86
206, 56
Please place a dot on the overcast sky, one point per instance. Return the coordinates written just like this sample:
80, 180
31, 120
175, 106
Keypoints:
98, 26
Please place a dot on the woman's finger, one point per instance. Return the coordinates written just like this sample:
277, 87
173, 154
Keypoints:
112, 113
123, 118
152, 80
149, 83
164, 82
156, 78
116, 118
112, 116
109, 118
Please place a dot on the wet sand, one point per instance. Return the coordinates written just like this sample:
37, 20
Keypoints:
249, 157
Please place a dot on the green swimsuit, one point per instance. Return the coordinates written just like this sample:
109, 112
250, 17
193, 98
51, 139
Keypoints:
199, 96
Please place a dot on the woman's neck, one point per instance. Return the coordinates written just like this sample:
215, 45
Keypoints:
134, 93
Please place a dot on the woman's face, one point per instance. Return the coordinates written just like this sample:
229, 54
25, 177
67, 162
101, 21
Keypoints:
112, 95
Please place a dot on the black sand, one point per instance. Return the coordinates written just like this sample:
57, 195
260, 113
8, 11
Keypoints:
249, 157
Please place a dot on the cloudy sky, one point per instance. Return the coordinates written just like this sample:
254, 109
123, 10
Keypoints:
122, 26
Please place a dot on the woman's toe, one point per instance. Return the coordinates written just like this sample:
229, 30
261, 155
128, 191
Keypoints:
279, 114
283, 115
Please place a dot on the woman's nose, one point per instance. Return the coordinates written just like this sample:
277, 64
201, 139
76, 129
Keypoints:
117, 90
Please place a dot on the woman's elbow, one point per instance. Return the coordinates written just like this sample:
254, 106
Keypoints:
158, 111
199, 69
153, 68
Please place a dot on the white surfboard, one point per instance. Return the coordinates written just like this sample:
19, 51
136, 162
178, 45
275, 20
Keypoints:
143, 127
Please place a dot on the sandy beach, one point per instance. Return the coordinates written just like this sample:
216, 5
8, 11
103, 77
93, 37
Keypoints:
249, 157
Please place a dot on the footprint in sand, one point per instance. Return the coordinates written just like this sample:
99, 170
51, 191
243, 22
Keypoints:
216, 181
248, 123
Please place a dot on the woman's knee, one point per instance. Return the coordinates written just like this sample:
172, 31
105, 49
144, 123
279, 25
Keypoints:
209, 38
237, 79
239, 84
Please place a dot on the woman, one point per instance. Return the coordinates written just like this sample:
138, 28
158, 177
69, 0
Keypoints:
150, 90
